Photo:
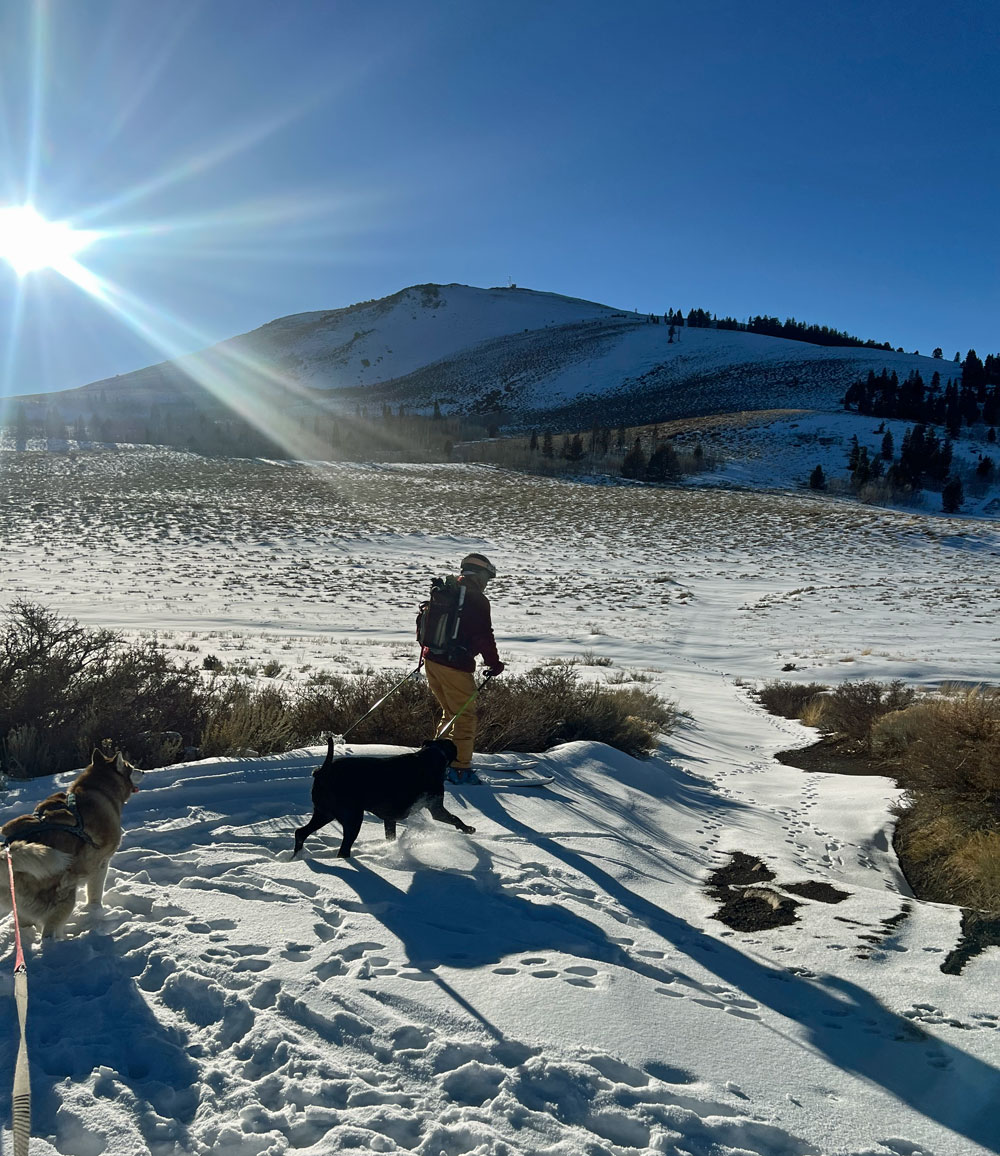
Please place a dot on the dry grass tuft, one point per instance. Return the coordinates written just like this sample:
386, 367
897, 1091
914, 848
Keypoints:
950, 742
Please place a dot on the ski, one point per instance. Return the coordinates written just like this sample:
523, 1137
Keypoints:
512, 779
521, 773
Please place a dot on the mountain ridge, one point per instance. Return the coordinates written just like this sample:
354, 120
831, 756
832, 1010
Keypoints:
526, 355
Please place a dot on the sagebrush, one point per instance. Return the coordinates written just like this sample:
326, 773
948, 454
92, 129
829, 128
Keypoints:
65, 689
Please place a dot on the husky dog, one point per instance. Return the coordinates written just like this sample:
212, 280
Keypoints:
389, 787
69, 840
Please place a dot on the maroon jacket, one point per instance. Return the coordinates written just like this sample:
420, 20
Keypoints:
475, 633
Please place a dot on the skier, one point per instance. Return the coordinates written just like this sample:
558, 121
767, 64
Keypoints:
451, 676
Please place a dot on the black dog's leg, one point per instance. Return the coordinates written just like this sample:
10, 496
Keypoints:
437, 809
351, 822
319, 819
390, 828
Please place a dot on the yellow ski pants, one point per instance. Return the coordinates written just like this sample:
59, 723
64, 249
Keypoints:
452, 688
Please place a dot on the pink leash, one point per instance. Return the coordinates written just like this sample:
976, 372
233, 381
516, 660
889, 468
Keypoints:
21, 1110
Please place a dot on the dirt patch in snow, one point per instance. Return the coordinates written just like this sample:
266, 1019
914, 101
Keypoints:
750, 900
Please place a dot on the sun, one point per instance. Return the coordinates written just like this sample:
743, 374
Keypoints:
28, 242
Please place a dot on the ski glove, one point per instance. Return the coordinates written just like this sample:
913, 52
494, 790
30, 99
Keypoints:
496, 669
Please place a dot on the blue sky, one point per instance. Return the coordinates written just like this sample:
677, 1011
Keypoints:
248, 159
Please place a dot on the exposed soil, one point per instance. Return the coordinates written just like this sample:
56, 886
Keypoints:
815, 889
832, 755
746, 901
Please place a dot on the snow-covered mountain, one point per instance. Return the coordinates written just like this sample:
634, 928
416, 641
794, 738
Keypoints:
526, 354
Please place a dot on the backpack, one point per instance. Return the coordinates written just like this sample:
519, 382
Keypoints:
439, 618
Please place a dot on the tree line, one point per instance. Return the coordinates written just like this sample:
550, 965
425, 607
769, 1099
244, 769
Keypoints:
360, 435
973, 398
794, 330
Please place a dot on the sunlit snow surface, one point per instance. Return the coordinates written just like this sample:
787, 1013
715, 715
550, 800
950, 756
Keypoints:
555, 983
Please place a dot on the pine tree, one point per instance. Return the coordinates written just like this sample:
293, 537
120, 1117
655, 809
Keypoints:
817, 479
887, 447
548, 451
574, 452
533, 444
634, 465
952, 496
663, 463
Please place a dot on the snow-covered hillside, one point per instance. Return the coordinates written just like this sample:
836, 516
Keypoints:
528, 354
558, 983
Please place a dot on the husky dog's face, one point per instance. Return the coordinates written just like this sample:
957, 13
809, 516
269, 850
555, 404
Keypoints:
132, 775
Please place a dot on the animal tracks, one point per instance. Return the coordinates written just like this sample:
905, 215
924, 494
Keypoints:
539, 967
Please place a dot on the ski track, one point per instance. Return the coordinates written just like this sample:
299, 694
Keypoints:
311, 1006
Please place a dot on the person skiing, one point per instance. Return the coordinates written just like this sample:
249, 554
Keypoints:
451, 676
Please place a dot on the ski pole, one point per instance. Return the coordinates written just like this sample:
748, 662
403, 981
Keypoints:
338, 740
442, 731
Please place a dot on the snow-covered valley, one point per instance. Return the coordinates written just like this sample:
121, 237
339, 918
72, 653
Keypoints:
558, 982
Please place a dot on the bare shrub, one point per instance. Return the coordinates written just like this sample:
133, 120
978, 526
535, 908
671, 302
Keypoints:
76, 687
529, 712
950, 742
27, 754
549, 705
949, 849
246, 720
854, 707
65, 690
788, 699
973, 870
926, 832
332, 703
945, 750
152, 749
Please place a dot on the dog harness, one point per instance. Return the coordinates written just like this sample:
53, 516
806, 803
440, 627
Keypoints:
31, 833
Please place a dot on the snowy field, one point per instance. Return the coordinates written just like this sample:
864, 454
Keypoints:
556, 983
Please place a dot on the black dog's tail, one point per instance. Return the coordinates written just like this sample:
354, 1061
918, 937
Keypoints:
329, 756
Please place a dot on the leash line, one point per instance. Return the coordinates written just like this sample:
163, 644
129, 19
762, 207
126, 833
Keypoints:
21, 1098
371, 710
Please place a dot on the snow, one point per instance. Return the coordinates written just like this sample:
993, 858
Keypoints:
556, 983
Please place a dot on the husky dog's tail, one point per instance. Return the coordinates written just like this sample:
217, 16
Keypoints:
36, 860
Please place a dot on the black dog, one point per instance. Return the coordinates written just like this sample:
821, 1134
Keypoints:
390, 788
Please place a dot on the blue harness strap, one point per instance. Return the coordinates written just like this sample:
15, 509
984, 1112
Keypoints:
31, 833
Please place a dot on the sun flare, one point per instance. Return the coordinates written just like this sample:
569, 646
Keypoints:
28, 242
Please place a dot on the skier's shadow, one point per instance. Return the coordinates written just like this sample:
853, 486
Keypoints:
844, 1022
467, 918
